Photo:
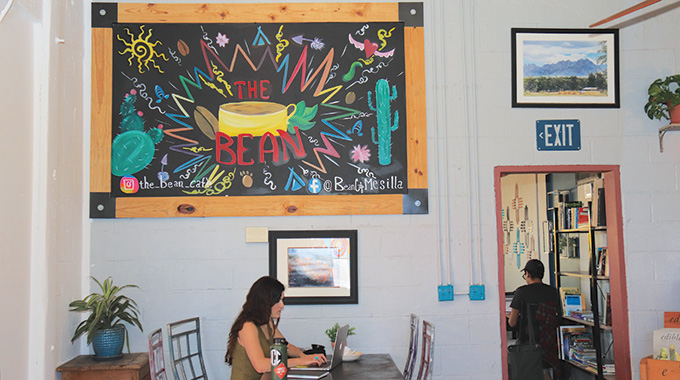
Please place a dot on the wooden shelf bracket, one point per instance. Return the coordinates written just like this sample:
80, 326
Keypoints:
663, 130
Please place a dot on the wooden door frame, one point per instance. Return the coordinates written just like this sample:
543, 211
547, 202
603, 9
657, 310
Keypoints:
617, 282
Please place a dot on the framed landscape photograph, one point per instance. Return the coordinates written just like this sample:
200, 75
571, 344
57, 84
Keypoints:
316, 267
565, 68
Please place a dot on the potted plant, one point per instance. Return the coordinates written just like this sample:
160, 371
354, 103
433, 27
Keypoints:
664, 96
333, 331
105, 326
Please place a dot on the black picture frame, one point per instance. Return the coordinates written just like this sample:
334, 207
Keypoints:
588, 84
316, 267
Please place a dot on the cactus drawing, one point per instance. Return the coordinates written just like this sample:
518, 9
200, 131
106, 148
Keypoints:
383, 137
133, 149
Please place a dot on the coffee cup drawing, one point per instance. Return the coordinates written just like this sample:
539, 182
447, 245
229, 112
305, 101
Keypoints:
254, 117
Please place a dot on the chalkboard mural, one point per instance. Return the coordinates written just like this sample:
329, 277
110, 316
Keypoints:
258, 109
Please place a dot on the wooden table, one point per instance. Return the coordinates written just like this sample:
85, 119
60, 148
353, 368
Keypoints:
130, 367
368, 366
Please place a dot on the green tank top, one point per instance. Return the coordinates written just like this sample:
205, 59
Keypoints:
241, 367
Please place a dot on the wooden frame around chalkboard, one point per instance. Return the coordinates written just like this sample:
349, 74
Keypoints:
103, 205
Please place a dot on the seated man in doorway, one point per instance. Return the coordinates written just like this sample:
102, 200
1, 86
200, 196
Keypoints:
544, 301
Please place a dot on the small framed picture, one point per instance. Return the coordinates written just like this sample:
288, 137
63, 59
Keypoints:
565, 68
316, 267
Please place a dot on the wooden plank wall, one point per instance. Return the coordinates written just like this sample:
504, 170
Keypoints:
100, 119
259, 206
416, 148
295, 12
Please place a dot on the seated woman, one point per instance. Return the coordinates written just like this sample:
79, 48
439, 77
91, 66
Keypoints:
254, 330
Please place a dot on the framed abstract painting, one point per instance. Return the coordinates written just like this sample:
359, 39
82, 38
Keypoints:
316, 267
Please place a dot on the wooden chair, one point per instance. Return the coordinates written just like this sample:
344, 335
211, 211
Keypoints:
427, 356
156, 357
185, 349
412, 348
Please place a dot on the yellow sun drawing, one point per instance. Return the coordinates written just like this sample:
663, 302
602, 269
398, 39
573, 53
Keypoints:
141, 49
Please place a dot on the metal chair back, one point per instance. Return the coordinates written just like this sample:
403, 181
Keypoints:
412, 348
156, 356
427, 356
185, 349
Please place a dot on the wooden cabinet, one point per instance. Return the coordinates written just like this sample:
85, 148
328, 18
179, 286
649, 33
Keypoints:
130, 367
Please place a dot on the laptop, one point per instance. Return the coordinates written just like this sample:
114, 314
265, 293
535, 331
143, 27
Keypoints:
318, 372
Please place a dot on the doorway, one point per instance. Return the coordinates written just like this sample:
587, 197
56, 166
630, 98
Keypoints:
528, 200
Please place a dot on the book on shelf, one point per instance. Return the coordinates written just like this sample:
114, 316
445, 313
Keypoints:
587, 316
586, 191
607, 366
573, 303
582, 217
608, 310
582, 349
573, 204
566, 290
601, 208
583, 354
561, 224
666, 344
566, 336
571, 214
603, 261
599, 212
556, 200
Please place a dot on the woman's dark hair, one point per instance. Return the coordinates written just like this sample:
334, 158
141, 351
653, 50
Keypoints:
265, 293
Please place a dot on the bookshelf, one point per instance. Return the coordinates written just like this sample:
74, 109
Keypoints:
578, 235
584, 322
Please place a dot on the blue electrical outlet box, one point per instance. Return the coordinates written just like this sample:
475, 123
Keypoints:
445, 292
477, 292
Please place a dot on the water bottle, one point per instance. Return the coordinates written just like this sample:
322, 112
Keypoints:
279, 359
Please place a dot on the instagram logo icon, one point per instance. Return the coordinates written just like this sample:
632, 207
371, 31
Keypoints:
129, 184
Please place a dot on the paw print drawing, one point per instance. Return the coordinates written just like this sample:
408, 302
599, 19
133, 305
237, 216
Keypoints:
247, 178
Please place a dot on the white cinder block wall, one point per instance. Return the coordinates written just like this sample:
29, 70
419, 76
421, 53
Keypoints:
203, 267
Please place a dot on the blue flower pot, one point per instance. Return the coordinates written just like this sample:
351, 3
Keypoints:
108, 343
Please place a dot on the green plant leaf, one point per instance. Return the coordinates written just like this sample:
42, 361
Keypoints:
107, 310
664, 94
332, 332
